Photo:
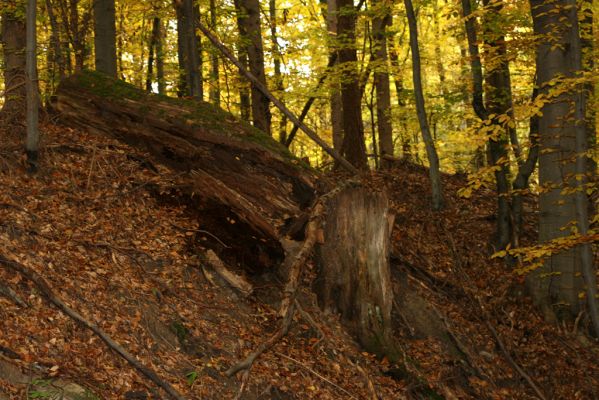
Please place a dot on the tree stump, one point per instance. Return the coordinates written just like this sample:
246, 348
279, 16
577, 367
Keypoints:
353, 266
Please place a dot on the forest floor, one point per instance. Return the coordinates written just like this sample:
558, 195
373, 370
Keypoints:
92, 222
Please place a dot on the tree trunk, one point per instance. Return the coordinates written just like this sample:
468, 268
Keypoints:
160, 59
556, 285
154, 38
33, 105
190, 80
381, 81
55, 43
353, 147
13, 45
105, 36
431, 151
499, 104
249, 17
406, 142
182, 22
214, 64
242, 54
276, 54
336, 105
194, 51
353, 266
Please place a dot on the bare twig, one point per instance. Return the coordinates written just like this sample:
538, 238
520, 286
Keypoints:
47, 291
310, 370
247, 363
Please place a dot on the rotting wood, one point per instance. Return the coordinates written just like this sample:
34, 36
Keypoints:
353, 277
236, 281
287, 308
244, 184
47, 291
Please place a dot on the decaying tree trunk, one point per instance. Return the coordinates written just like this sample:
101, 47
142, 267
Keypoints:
353, 266
244, 185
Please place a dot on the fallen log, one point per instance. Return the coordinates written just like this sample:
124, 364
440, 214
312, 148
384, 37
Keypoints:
243, 184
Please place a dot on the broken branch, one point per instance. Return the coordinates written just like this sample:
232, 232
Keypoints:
47, 291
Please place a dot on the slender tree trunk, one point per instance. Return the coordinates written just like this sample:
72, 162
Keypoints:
160, 57
105, 36
276, 53
182, 22
244, 86
381, 80
525, 170
431, 151
190, 78
192, 48
406, 142
353, 147
556, 285
249, 16
335, 104
55, 43
498, 104
13, 45
214, 68
154, 38
32, 142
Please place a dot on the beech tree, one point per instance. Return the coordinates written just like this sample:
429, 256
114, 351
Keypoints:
251, 34
556, 286
431, 151
353, 147
105, 36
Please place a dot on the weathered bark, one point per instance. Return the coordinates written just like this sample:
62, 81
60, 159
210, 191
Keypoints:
249, 16
353, 147
556, 285
105, 36
353, 266
431, 151
381, 80
13, 45
243, 184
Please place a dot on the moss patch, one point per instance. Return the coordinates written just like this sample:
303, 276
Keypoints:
199, 114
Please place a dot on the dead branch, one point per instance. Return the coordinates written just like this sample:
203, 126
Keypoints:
287, 309
508, 356
351, 396
262, 88
47, 291
236, 281
247, 363
11, 295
